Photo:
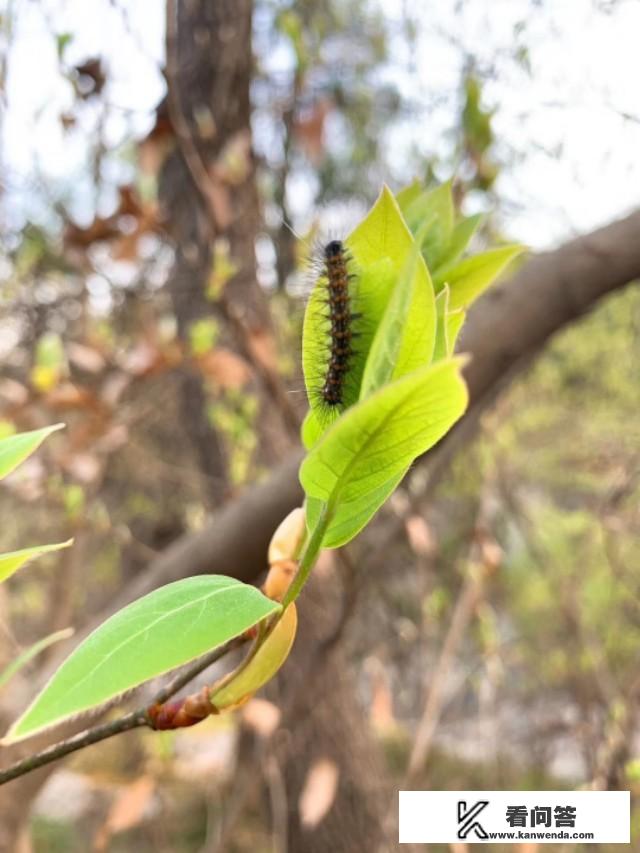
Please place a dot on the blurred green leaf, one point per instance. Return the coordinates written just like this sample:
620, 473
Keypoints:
432, 213
28, 654
16, 448
50, 362
203, 335
460, 238
74, 500
407, 195
14, 560
472, 276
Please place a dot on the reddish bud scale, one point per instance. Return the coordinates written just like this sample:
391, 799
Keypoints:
181, 712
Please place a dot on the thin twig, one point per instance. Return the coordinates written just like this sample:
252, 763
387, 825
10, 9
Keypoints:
463, 612
483, 562
132, 720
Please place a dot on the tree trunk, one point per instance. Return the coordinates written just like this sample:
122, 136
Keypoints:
326, 723
209, 197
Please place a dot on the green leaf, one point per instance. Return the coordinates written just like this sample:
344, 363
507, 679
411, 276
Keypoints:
50, 362
352, 516
163, 630
405, 338
203, 335
471, 277
441, 349
11, 562
16, 448
379, 247
311, 430
455, 321
432, 213
378, 439
407, 195
28, 654
461, 235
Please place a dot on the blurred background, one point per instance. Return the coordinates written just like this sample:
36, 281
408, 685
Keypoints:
157, 165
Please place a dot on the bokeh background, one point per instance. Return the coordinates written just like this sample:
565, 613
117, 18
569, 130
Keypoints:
163, 171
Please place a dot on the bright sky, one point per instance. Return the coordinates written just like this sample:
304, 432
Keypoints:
569, 131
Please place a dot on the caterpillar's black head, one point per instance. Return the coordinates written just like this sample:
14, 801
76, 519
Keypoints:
333, 249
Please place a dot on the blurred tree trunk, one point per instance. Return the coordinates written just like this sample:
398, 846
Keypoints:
326, 725
208, 194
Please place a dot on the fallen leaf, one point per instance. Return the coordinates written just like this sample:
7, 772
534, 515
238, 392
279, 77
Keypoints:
381, 713
263, 348
420, 536
143, 359
14, 393
70, 396
262, 716
309, 129
226, 368
85, 467
127, 810
85, 358
319, 792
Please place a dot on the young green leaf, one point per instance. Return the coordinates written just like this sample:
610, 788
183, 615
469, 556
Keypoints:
165, 629
461, 235
471, 277
379, 438
441, 349
14, 560
407, 195
311, 430
16, 448
432, 213
28, 654
455, 321
405, 337
351, 516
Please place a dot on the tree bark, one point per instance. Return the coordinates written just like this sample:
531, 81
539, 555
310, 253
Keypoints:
325, 723
208, 194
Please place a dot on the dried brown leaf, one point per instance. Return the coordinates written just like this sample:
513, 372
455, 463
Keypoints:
319, 792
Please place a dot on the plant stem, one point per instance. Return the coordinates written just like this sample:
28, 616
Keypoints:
309, 556
132, 720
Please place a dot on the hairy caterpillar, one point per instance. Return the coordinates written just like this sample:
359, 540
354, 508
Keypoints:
340, 318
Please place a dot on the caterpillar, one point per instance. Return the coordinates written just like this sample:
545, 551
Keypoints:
340, 318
